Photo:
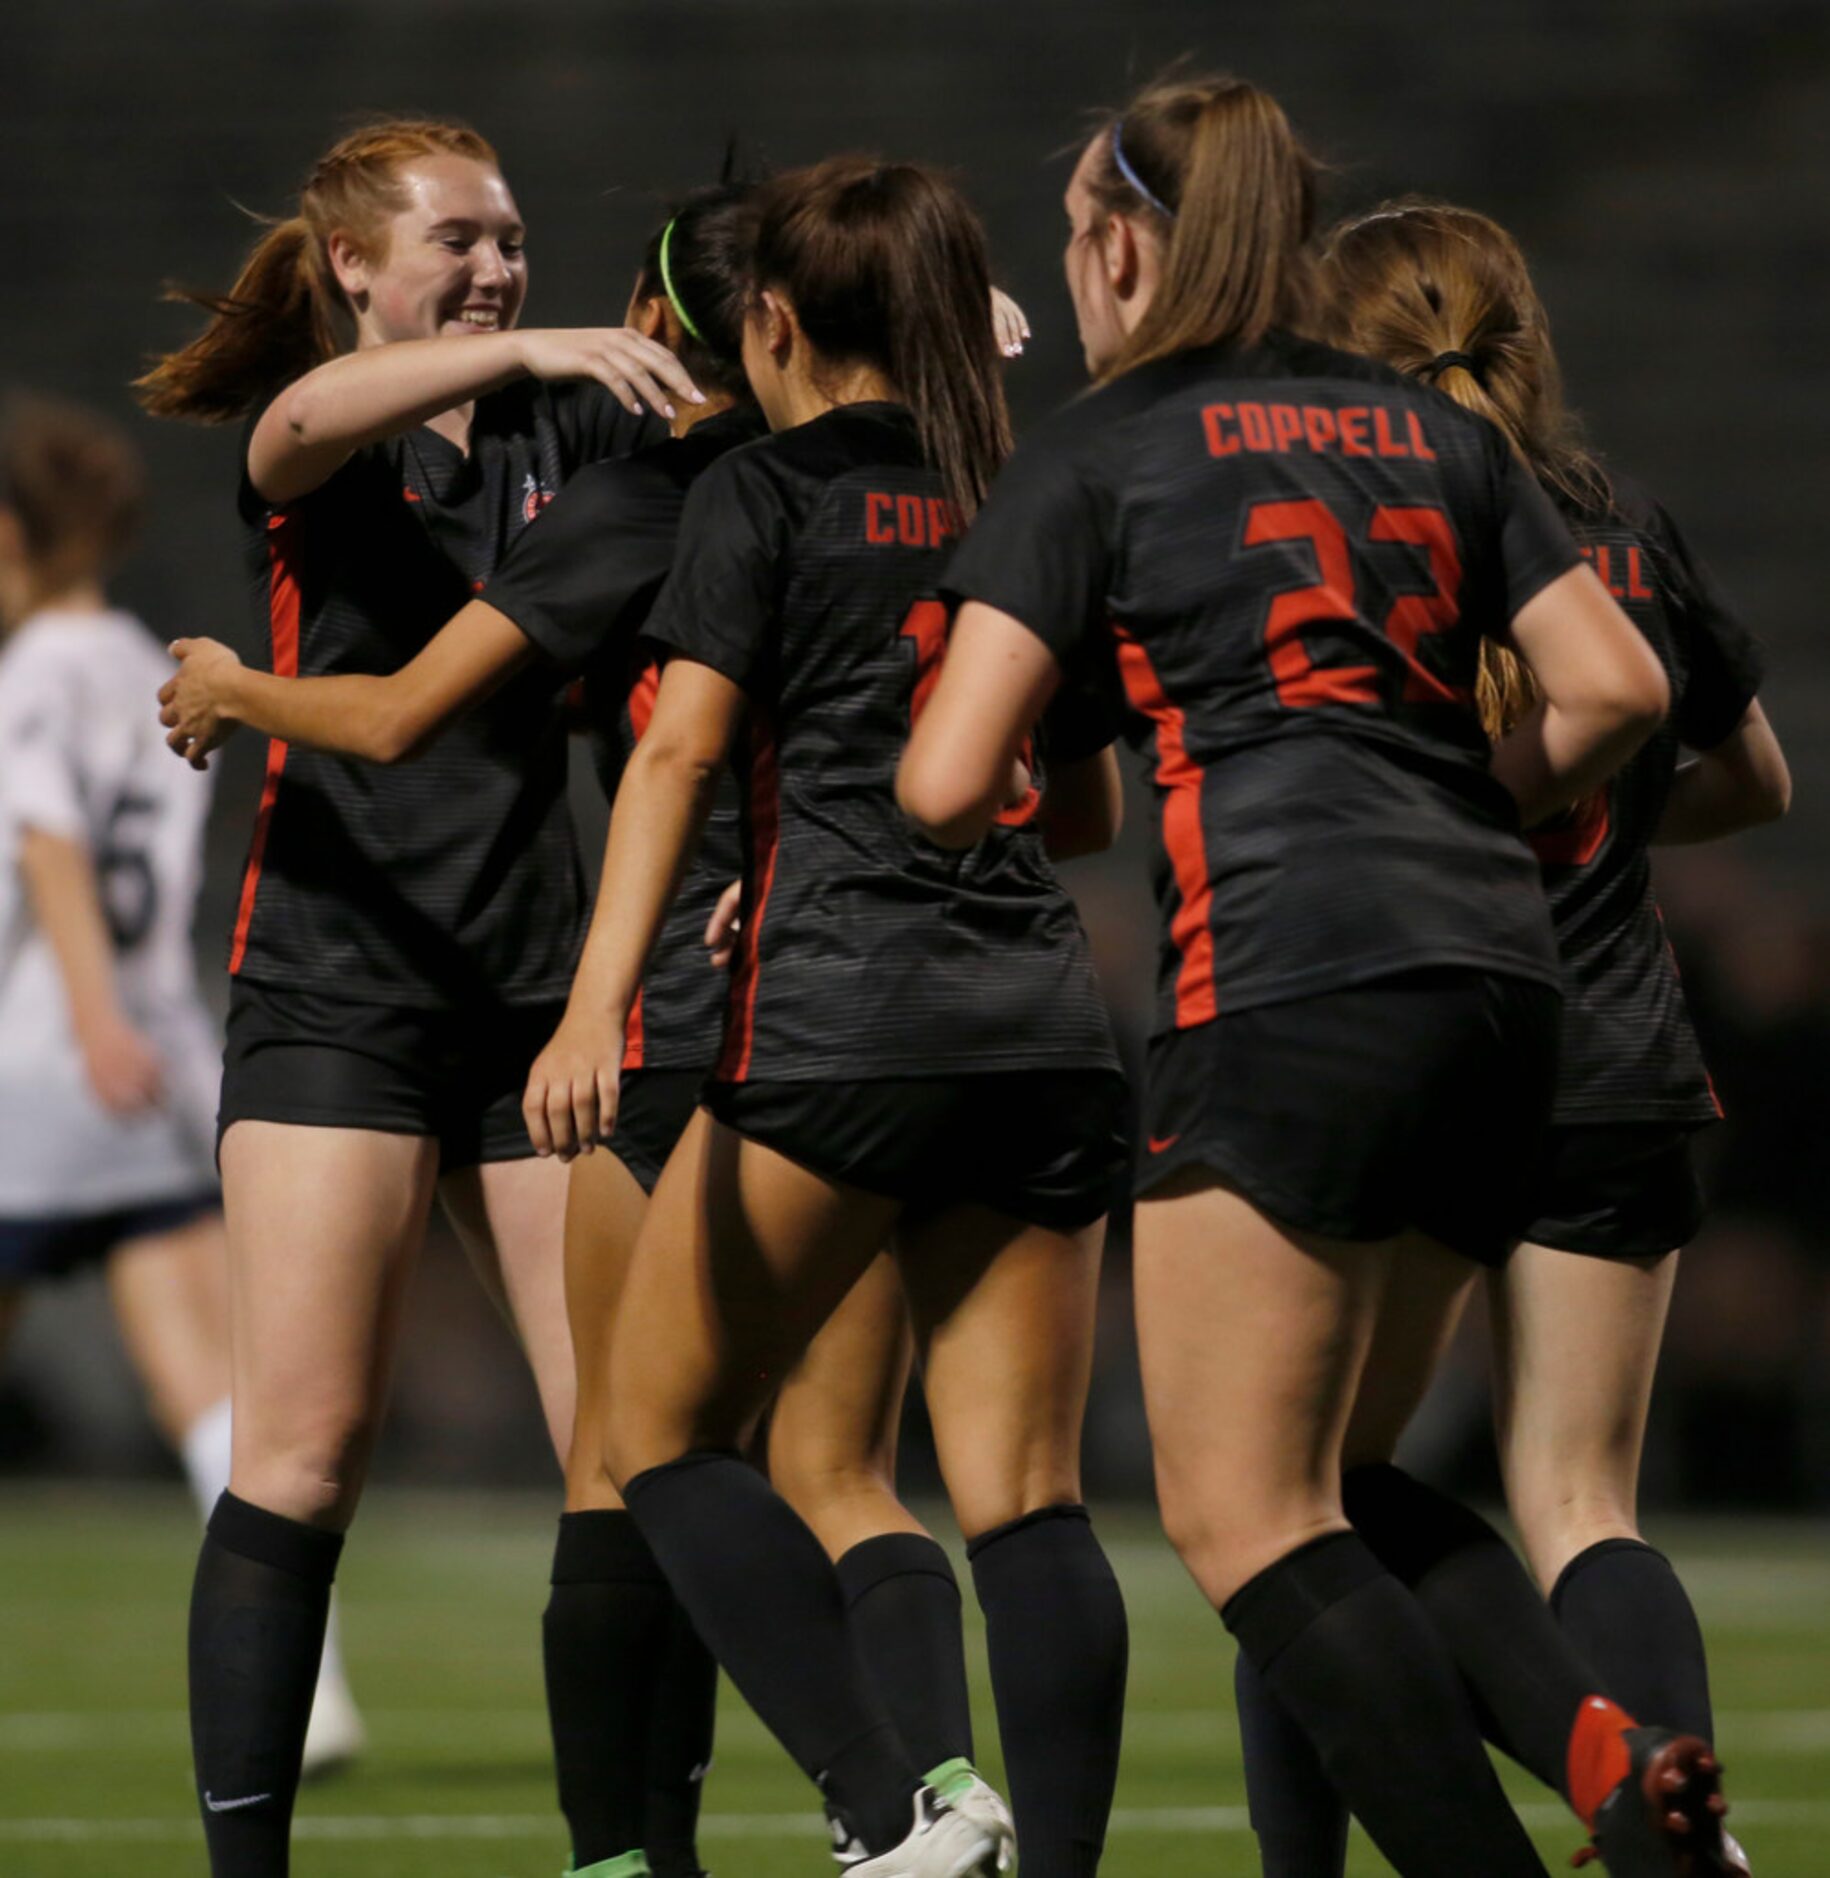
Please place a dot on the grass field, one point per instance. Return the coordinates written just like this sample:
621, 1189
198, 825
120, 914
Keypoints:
441, 1604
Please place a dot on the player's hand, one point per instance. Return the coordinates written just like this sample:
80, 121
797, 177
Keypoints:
637, 372
122, 1067
1022, 781
570, 1103
725, 924
1008, 323
192, 700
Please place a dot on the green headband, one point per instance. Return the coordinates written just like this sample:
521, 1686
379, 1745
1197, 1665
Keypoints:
667, 281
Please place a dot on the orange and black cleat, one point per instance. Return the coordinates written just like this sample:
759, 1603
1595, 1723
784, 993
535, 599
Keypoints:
1664, 1818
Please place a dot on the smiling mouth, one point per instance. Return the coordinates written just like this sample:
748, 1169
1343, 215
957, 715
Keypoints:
479, 318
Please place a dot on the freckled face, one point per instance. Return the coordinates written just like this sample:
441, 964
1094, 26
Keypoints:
454, 260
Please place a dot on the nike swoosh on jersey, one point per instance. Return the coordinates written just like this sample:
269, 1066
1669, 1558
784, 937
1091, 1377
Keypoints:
1161, 1144
230, 1806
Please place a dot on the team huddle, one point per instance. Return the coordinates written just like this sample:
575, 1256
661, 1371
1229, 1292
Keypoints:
821, 1084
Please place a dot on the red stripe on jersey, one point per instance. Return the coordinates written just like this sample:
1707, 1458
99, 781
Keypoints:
283, 635
642, 697
633, 1038
641, 714
1180, 776
1579, 839
765, 836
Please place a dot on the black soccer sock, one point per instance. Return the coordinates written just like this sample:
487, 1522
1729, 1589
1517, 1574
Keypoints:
1624, 1609
765, 1597
904, 1606
1056, 1635
258, 1607
1523, 1671
1346, 1650
602, 1636
1300, 1820
680, 1749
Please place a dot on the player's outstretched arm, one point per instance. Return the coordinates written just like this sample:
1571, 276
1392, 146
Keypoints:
994, 681
1604, 693
384, 718
661, 805
320, 420
1743, 782
66, 899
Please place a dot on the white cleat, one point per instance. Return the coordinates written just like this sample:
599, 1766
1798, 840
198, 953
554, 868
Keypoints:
335, 1735
974, 1798
941, 1844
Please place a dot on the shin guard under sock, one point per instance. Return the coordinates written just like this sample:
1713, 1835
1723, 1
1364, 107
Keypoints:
904, 1606
1346, 1650
1299, 1819
680, 1748
765, 1597
1056, 1634
1624, 1609
1524, 1672
258, 1606
601, 1636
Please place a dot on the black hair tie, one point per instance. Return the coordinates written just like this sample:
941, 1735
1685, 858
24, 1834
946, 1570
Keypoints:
1447, 361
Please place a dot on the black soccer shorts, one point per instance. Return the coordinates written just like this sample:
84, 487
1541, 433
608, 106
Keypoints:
653, 1107
322, 1062
1617, 1190
37, 1247
1043, 1146
1417, 1102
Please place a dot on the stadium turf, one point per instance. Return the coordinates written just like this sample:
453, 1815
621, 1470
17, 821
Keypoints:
441, 1620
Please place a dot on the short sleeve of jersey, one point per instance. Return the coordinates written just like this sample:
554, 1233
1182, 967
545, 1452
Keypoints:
40, 784
1041, 548
591, 560
718, 607
1536, 546
1726, 665
594, 425
1087, 713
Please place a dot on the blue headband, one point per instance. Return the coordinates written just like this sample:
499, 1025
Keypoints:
1133, 178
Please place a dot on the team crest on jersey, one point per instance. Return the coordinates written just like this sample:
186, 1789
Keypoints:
533, 498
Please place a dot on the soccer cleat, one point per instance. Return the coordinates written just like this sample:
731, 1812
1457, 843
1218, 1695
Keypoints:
941, 1844
335, 1735
624, 1865
1664, 1819
973, 1797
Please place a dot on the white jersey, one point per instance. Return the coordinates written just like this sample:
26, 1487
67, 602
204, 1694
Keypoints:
82, 756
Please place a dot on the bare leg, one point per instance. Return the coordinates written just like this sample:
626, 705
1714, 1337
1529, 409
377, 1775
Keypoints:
1005, 1315
171, 1299
1577, 1342
510, 1217
324, 1225
833, 1432
1254, 1339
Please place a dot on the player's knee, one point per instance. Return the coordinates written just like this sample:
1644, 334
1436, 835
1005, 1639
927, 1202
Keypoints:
999, 1496
313, 1469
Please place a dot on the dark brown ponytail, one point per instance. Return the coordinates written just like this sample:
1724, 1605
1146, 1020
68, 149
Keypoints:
885, 265
1413, 281
286, 314
1217, 169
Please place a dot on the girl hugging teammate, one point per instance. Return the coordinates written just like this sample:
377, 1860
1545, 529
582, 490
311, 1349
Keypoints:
402, 935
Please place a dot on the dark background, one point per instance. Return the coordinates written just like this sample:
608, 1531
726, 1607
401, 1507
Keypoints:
1666, 164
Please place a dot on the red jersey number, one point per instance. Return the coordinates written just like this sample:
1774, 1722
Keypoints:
927, 626
1301, 683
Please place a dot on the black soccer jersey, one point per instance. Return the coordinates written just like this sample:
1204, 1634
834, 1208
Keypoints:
1295, 553
454, 878
580, 586
1629, 1052
806, 575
